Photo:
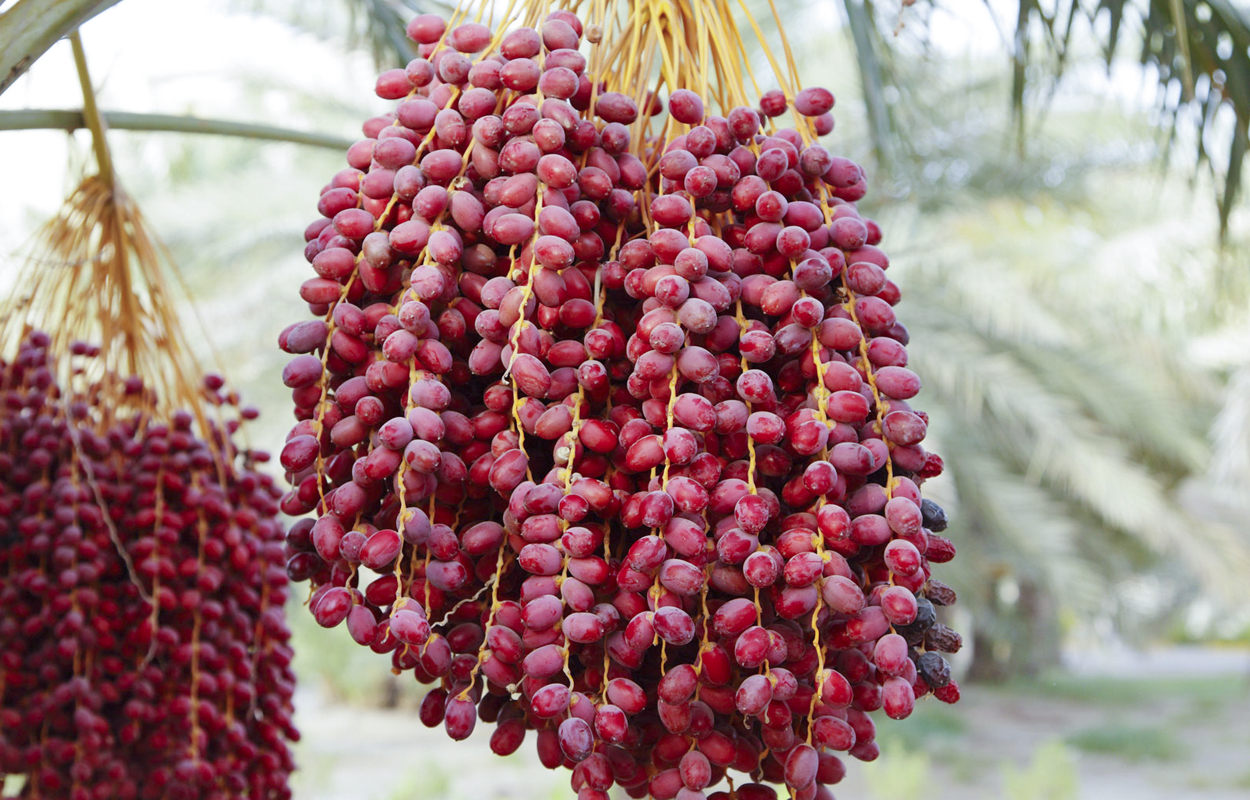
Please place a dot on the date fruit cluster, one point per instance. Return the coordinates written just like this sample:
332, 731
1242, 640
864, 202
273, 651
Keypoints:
604, 415
145, 651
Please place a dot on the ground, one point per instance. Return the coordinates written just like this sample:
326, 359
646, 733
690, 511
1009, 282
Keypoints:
1147, 726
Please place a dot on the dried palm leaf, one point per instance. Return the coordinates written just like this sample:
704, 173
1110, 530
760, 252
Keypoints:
96, 272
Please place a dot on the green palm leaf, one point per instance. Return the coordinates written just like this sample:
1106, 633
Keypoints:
1197, 48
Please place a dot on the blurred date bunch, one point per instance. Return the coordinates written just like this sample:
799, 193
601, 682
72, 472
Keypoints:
604, 415
144, 653
141, 589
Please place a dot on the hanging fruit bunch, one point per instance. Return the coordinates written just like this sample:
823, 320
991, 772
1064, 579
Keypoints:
604, 411
144, 649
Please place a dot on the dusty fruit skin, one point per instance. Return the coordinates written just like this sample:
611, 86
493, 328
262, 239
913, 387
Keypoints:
142, 585
607, 427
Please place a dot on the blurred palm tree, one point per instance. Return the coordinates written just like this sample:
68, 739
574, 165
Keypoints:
1196, 52
1054, 319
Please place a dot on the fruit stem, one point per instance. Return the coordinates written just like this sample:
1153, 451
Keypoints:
91, 112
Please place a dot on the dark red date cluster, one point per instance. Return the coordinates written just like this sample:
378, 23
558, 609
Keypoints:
143, 647
605, 420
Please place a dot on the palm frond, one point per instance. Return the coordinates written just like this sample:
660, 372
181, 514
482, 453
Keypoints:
1196, 52
861, 20
380, 24
1199, 51
1230, 461
1013, 524
1129, 385
1046, 437
29, 27
1127, 402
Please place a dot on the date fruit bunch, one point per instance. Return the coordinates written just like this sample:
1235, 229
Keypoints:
604, 418
143, 645
145, 653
